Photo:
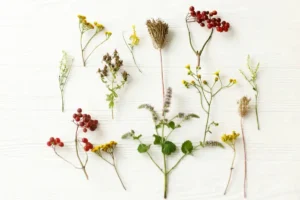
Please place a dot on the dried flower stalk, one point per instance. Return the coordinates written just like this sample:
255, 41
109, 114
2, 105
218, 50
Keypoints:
164, 127
85, 26
134, 41
243, 111
158, 31
252, 81
64, 71
230, 140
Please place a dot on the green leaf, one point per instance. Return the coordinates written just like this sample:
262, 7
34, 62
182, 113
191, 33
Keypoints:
128, 134
187, 147
158, 140
142, 148
157, 126
168, 148
111, 104
137, 137
171, 125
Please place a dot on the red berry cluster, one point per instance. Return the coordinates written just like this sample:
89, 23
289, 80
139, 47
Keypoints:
55, 142
208, 18
85, 121
88, 146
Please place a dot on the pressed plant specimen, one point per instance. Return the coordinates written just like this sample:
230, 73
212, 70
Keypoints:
243, 111
204, 19
84, 27
252, 81
230, 140
109, 76
164, 127
64, 71
134, 41
108, 149
83, 122
158, 31
207, 92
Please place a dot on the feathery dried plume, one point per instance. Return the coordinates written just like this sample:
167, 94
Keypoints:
244, 106
214, 144
167, 101
158, 31
155, 116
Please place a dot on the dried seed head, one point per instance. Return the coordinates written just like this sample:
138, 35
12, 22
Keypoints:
158, 31
244, 106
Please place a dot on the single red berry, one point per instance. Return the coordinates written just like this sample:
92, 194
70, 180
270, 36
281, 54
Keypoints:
77, 119
199, 20
223, 22
211, 14
79, 110
49, 144
225, 29
202, 24
214, 12
85, 140
198, 12
96, 122
89, 145
219, 19
86, 119
86, 148
74, 115
227, 24
221, 29
209, 26
57, 140
193, 13
192, 8
208, 21
61, 144
54, 143
51, 139
81, 124
84, 130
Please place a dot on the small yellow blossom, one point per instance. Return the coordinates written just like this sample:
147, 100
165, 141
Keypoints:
216, 79
108, 34
217, 73
233, 81
99, 27
135, 40
184, 82
199, 76
193, 82
205, 82
188, 66
198, 67
81, 17
230, 138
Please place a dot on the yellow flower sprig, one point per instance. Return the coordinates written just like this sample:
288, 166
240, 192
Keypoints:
134, 41
85, 26
230, 140
207, 92
108, 148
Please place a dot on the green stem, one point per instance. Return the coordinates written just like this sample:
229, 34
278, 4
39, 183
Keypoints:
81, 48
77, 153
231, 169
207, 120
165, 166
112, 87
245, 159
165, 184
115, 167
96, 48
62, 101
190, 38
89, 41
256, 111
131, 51
182, 157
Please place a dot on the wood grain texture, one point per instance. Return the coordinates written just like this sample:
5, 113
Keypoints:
33, 33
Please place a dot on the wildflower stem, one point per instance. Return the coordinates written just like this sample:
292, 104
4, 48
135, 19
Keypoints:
95, 49
131, 51
115, 167
256, 110
62, 100
165, 166
181, 158
81, 47
112, 88
207, 119
162, 75
64, 158
89, 41
190, 38
231, 169
77, 153
245, 158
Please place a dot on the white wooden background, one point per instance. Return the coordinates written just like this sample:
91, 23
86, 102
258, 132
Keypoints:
33, 33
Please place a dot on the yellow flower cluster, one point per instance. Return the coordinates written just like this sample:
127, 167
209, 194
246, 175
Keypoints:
108, 34
185, 83
108, 147
85, 24
233, 81
135, 40
99, 27
217, 73
230, 138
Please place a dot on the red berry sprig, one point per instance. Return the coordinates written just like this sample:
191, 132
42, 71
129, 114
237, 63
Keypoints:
85, 121
209, 19
55, 142
88, 146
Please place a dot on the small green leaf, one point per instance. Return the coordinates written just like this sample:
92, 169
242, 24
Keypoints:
187, 147
158, 140
137, 137
178, 126
171, 125
168, 148
111, 104
158, 126
142, 148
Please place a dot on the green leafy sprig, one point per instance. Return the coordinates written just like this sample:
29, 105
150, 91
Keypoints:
252, 81
64, 71
109, 77
85, 26
207, 93
164, 127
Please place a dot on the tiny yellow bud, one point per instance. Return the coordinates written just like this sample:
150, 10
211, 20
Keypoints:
108, 34
188, 66
217, 73
205, 82
216, 79
193, 82
199, 76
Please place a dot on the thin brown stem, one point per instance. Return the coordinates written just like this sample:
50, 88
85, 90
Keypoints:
77, 153
162, 75
64, 159
115, 167
245, 159
231, 169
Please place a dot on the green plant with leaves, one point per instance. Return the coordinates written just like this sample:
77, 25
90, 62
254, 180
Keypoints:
84, 27
252, 81
207, 93
164, 127
109, 76
64, 71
